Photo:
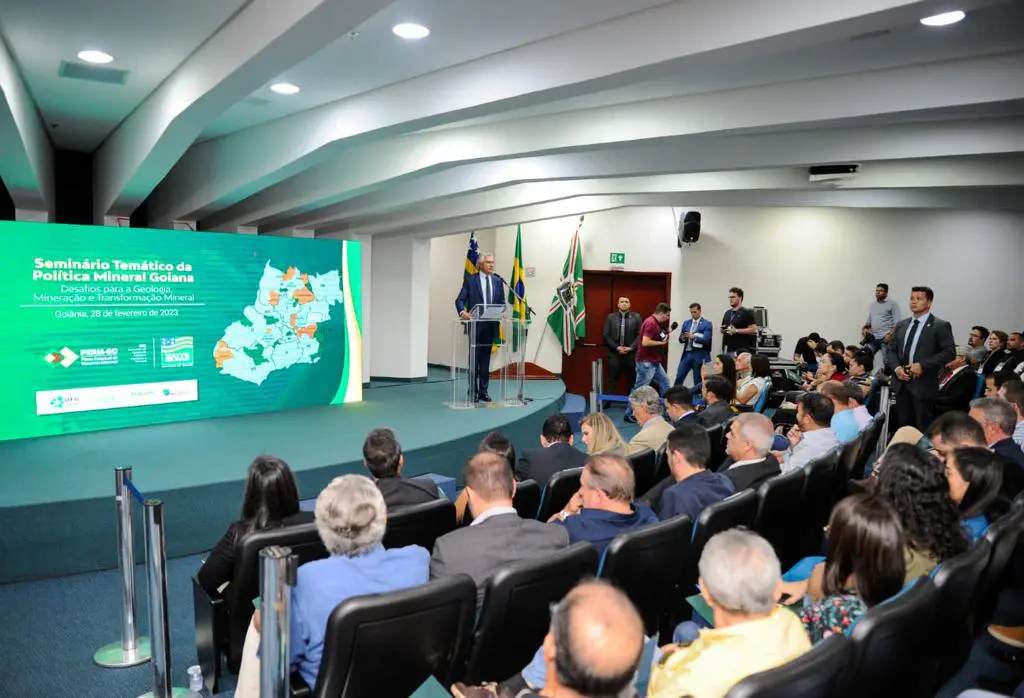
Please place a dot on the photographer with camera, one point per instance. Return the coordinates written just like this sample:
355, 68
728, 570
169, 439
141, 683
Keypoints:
651, 352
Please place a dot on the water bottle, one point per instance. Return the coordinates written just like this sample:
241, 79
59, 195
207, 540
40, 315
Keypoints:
195, 680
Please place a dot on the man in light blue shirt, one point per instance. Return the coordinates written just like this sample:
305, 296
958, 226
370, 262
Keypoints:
812, 437
883, 316
849, 417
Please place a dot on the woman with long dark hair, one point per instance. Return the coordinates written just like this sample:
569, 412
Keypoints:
975, 478
271, 499
863, 567
915, 482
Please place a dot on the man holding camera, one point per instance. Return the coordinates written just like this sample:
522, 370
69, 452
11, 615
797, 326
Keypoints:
651, 352
739, 328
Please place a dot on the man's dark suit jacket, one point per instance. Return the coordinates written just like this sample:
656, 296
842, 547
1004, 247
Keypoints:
472, 295
482, 549
715, 414
611, 331
752, 474
935, 349
957, 393
688, 418
1008, 448
541, 463
399, 492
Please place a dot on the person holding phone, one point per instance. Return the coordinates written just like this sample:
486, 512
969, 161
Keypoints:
739, 328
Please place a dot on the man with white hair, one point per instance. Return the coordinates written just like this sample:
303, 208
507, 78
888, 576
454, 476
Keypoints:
646, 406
747, 447
998, 419
957, 384
483, 288
740, 579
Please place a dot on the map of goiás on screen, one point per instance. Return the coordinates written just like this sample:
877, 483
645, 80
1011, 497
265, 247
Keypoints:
280, 329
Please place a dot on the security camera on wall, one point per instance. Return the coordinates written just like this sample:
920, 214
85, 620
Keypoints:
689, 228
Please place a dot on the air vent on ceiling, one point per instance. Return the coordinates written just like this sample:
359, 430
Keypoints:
93, 73
256, 101
878, 33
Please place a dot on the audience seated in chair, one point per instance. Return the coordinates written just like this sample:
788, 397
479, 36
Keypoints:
849, 416
497, 536
601, 436
957, 384
646, 404
998, 420
382, 456
271, 499
916, 485
1013, 392
604, 507
752, 375
718, 394
858, 370
975, 477
555, 454
812, 437
351, 517
748, 462
693, 488
740, 581
495, 442
679, 406
593, 648
864, 565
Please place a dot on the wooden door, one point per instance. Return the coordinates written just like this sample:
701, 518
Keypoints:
602, 290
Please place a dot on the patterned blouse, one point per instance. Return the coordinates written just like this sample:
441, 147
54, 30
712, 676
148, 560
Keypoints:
832, 615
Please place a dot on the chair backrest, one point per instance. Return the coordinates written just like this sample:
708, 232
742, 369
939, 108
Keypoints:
980, 387
644, 464
661, 469
957, 581
716, 435
304, 542
813, 674
845, 465
818, 483
1002, 536
778, 500
871, 436
420, 524
890, 644
515, 615
388, 644
527, 499
735, 510
558, 491
871, 399
647, 563
762, 399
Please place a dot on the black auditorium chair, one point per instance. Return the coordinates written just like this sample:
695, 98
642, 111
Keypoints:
872, 434
815, 508
661, 469
644, 464
777, 520
387, 645
845, 464
814, 674
420, 524
558, 491
716, 435
890, 646
957, 581
527, 499
1003, 536
647, 563
516, 614
222, 620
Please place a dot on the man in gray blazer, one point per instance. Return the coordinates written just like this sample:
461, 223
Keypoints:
498, 536
923, 344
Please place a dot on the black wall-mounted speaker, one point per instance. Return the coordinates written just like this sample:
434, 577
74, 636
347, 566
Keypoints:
689, 228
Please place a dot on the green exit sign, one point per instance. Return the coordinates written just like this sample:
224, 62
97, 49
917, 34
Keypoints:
617, 258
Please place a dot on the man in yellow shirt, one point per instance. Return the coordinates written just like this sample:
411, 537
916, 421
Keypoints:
740, 579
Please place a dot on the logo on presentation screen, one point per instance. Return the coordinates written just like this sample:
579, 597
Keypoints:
176, 352
65, 357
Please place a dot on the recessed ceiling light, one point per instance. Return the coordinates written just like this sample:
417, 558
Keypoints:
91, 56
943, 19
284, 88
408, 30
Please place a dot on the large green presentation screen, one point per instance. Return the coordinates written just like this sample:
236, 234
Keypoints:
107, 327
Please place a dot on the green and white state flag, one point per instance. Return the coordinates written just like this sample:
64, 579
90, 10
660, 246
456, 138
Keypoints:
568, 314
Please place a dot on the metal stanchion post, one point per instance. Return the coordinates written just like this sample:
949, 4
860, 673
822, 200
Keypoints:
595, 404
883, 405
132, 649
156, 580
600, 385
277, 577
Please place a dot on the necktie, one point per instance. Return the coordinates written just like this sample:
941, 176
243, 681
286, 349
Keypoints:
622, 329
908, 345
487, 290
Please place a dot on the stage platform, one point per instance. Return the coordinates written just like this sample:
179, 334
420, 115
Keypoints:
56, 499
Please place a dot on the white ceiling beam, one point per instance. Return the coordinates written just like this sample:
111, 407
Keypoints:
986, 80
256, 45
687, 154
26, 153
1002, 198
561, 66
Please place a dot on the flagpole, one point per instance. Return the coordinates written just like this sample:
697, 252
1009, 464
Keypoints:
536, 354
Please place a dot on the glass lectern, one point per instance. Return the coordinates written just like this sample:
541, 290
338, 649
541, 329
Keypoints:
507, 358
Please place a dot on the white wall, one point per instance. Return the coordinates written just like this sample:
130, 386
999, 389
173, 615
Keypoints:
815, 269
399, 306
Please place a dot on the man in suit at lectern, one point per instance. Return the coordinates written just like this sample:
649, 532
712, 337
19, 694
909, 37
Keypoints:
483, 289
